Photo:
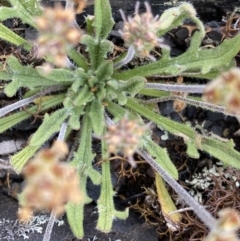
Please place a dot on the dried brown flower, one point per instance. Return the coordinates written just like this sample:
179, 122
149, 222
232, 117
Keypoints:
226, 227
225, 90
124, 137
57, 34
179, 105
50, 184
141, 32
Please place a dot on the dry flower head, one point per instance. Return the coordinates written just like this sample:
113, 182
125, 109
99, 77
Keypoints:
57, 34
225, 90
179, 105
140, 32
50, 184
226, 227
124, 137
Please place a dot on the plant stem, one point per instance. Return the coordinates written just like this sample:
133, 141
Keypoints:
108, 120
48, 231
200, 211
7, 109
62, 131
127, 59
176, 87
70, 5
204, 105
78, 59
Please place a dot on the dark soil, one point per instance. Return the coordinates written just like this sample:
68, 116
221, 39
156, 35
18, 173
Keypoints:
135, 187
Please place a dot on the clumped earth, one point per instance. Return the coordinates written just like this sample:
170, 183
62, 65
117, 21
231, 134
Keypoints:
206, 179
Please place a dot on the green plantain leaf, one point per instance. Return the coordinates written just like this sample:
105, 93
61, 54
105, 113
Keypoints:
161, 156
19, 160
23, 9
97, 50
96, 114
11, 120
131, 86
103, 19
84, 96
51, 124
8, 12
83, 157
26, 76
105, 70
74, 119
75, 216
58, 75
192, 150
31, 6
75, 211
202, 62
106, 209
9, 36
224, 151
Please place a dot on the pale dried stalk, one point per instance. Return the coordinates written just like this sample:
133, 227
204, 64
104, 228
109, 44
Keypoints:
48, 231
126, 59
177, 88
9, 108
204, 105
199, 210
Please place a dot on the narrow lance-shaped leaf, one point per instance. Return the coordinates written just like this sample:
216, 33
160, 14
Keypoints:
221, 150
9, 36
26, 9
20, 159
106, 209
166, 202
131, 86
63, 75
97, 50
202, 61
25, 76
75, 212
161, 156
192, 150
11, 120
83, 162
117, 111
51, 124
173, 127
74, 119
96, 114
85, 95
104, 71
31, 6
12, 88
83, 157
15, 65
58, 75
76, 85
103, 19
8, 12
78, 58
